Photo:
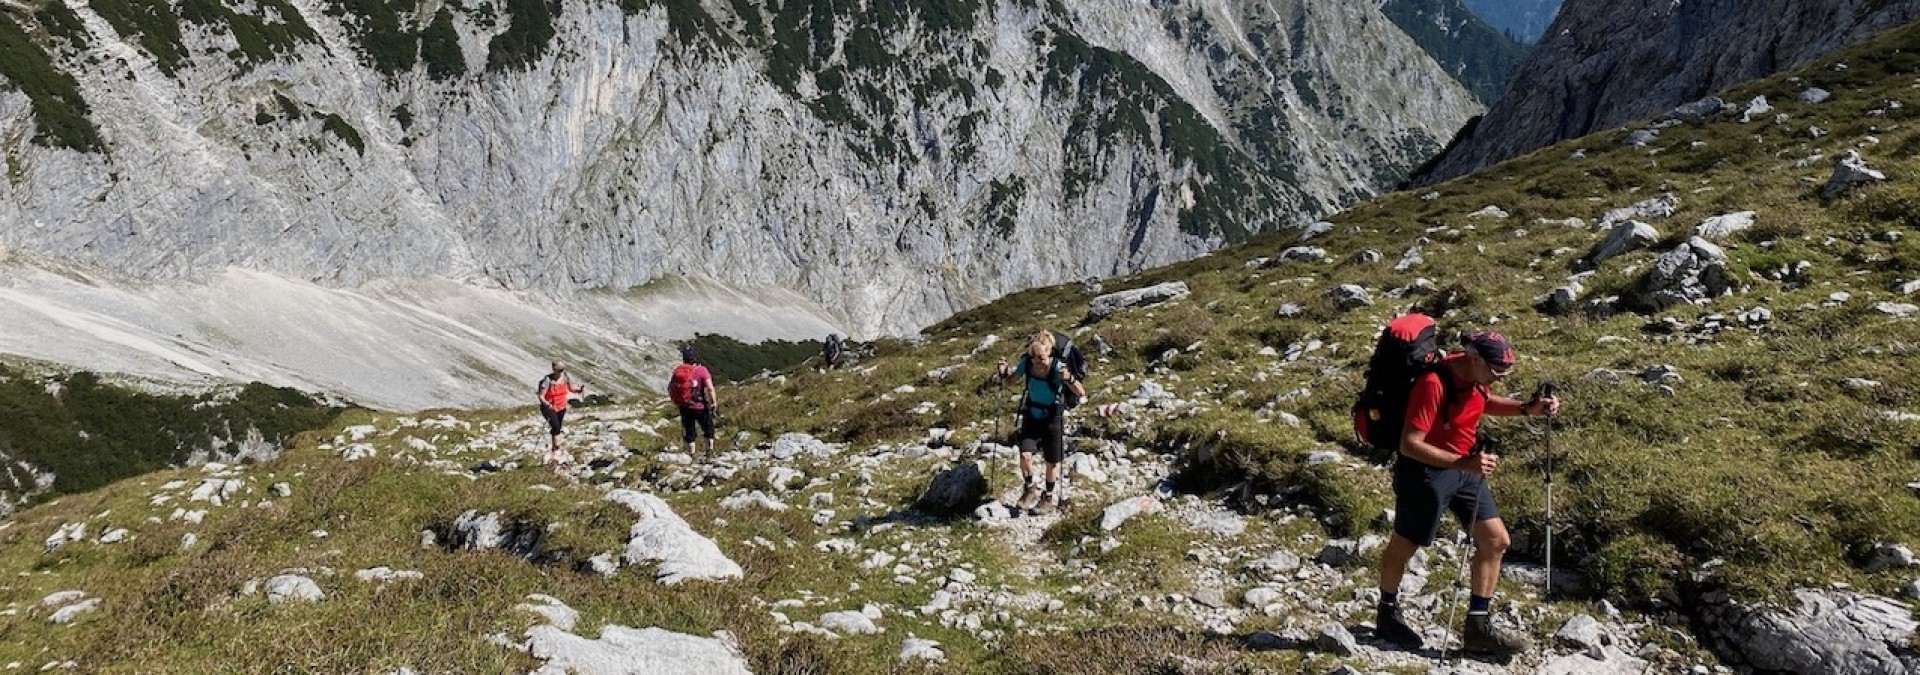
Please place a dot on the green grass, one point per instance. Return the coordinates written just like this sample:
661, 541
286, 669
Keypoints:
93, 433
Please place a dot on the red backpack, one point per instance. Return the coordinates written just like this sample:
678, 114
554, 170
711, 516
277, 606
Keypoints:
1406, 351
683, 389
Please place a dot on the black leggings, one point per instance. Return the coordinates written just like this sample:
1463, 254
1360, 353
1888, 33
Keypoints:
689, 418
554, 419
1049, 435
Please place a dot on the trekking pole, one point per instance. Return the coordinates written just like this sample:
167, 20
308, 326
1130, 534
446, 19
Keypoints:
1546, 391
1463, 540
999, 399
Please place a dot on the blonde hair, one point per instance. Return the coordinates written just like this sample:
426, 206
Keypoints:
1041, 346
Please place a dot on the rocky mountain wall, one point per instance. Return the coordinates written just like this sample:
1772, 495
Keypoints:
892, 162
1603, 64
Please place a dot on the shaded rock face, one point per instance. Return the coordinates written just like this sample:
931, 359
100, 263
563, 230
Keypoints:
955, 491
1829, 632
1603, 64
894, 168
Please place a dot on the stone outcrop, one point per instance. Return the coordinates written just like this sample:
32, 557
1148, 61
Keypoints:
1822, 631
661, 536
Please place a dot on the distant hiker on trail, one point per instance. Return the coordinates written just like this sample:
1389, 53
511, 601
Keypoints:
1043, 412
830, 351
691, 389
1439, 467
553, 392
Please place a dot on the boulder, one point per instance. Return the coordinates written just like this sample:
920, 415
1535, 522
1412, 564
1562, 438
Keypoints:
1662, 206
1755, 108
849, 622
622, 650
1850, 170
1581, 631
1693, 272
293, 588
1119, 512
1315, 229
1887, 555
1698, 110
1602, 661
791, 445
1105, 305
1350, 296
1895, 309
955, 491
1625, 237
917, 649
1335, 639
1261, 597
1815, 95
1304, 254
473, 531
1834, 632
1719, 227
661, 536
1489, 211
68, 613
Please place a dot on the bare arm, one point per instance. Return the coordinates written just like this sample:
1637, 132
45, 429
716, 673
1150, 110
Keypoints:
1503, 406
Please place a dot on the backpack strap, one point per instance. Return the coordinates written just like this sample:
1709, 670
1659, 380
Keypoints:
1447, 390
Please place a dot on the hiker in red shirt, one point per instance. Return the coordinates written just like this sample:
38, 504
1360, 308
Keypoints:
691, 389
1438, 468
553, 391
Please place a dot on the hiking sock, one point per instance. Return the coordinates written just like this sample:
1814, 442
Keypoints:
1389, 599
1049, 487
1478, 605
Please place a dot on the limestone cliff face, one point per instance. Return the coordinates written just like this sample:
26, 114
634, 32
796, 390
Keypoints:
893, 162
1604, 63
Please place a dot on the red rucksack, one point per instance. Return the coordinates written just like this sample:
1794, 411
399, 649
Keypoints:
683, 388
1406, 351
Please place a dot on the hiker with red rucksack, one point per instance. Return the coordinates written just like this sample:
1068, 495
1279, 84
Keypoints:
1052, 386
553, 391
1426, 406
691, 390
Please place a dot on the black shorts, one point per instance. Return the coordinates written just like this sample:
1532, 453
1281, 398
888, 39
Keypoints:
690, 417
554, 418
1420, 490
1048, 435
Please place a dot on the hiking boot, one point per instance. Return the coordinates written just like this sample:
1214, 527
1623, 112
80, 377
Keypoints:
1030, 498
1390, 627
1049, 501
1483, 636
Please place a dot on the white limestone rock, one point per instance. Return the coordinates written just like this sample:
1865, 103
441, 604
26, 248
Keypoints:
661, 536
1120, 512
293, 588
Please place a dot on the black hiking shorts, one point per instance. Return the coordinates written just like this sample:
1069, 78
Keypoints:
1419, 492
554, 419
689, 418
1048, 435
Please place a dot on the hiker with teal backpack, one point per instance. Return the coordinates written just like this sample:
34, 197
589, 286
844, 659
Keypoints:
1051, 388
1426, 407
691, 390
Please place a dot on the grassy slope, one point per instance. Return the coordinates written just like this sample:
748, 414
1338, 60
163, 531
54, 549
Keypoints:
1762, 458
